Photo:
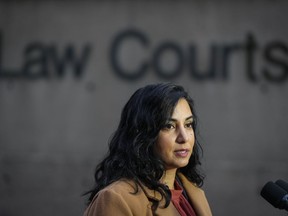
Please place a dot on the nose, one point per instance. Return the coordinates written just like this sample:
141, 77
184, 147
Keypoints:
182, 136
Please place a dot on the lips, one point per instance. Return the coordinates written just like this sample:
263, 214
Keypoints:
181, 152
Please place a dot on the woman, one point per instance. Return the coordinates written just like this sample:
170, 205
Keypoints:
151, 166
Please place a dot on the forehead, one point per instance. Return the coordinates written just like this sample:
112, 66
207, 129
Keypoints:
182, 109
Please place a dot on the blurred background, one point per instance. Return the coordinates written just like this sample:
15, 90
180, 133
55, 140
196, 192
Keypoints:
68, 67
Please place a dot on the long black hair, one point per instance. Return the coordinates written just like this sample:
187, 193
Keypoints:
131, 155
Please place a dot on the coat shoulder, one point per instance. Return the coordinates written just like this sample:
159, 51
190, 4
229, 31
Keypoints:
123, 197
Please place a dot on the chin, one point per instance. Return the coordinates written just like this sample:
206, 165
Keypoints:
180, 165
183, 165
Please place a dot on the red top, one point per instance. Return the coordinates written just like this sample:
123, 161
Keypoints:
180, 202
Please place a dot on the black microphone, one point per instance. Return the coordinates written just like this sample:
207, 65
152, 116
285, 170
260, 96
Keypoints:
282, 184
275, 195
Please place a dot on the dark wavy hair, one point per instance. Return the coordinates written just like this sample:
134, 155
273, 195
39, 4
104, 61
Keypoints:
131, 155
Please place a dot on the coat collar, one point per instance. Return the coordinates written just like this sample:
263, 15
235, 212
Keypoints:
195, 194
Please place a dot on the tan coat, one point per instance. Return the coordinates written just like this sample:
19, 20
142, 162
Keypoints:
118, 199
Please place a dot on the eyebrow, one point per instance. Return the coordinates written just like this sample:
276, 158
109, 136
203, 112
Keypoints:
175, 120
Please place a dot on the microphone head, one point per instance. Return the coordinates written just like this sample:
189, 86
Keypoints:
273, 194
282, 184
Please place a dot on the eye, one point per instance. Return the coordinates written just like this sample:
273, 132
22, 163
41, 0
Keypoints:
189, 124
169, 126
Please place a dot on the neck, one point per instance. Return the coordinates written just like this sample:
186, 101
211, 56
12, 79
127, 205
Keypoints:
168, 178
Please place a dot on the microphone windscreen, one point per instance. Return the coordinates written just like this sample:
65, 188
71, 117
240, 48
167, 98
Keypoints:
282, 184
273, 194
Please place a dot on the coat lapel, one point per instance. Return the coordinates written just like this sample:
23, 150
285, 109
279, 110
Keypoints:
196, 196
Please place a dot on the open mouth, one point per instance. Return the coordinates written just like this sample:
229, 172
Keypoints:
182, 153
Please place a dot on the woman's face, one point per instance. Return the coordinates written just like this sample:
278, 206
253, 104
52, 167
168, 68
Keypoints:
176, 140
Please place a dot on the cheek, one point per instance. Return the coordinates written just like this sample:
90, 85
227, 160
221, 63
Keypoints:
162, 145
193, 136
192, 140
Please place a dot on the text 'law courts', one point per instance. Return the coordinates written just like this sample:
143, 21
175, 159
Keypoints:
45, 61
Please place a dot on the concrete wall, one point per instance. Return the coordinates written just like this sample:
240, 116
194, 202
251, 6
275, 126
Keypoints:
61, 94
